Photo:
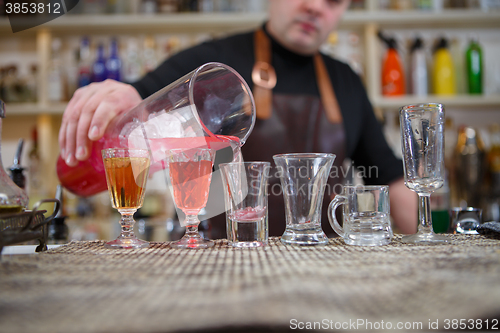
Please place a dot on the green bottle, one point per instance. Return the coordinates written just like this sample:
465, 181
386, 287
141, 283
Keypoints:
474, 62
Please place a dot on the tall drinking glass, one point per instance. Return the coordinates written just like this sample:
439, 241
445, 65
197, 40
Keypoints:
190, 175
126, 174
422, 136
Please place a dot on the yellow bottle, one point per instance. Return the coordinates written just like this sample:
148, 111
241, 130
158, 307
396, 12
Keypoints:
443, 75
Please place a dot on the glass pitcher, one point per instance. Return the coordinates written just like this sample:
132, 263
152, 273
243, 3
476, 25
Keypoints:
210, 107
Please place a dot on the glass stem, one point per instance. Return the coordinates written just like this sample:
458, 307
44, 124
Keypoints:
424, 213
127, 222
192, 223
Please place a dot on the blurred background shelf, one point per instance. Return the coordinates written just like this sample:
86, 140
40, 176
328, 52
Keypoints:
460, 101
33, 109
224, 22
491, 102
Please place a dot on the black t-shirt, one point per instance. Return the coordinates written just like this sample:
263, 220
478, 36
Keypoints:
365, 143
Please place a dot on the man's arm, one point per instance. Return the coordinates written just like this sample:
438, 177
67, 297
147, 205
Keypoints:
404, 208
92, 107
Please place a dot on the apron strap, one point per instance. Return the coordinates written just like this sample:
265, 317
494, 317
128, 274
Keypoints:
264, 80
263, 75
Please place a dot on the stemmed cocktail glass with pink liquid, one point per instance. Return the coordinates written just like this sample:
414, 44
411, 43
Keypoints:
190, 175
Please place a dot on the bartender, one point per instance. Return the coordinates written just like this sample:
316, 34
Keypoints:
305, 102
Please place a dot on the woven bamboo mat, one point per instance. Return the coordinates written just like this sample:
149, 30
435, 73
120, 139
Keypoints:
83, 287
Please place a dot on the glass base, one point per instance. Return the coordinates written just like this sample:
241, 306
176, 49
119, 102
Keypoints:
304, 237
425, 239
126, 243
193, 242
246, 245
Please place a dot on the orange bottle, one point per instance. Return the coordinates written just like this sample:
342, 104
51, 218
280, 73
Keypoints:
393, 79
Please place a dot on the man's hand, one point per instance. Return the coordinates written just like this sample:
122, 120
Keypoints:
88, 114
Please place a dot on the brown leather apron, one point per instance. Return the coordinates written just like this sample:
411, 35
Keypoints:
291, 124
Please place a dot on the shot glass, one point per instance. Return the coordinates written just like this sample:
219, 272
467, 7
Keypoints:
245, 192
303, 179
465, 220
366, 215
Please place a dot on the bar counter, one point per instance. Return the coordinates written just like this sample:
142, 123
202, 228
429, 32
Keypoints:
83, 287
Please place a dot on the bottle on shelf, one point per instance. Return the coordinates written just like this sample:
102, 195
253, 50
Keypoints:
438, 5
494, 160
357, 5
55, 75
425, 4
168, 6
35, 186
114, 63
402, 4
13, 199
393, 79
443, 75
492, 211
474, 63
94, 6
354, 54
99, 66
206, 6
488, 5
470, 167
10, 85
84, 63
31, 84
418, 72
188, 6
149, 59
149, 7
132, 65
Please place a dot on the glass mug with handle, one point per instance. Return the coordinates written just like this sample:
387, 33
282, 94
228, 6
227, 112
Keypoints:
365, 215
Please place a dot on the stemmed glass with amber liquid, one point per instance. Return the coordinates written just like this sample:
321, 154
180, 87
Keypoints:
190, 174
126, 175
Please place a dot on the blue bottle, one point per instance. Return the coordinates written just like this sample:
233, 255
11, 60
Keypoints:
99, 67
84, 65
114, 64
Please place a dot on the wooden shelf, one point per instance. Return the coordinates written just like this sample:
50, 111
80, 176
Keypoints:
230, 22
154, 23
459, 101
423, 19
30, 109
387, 103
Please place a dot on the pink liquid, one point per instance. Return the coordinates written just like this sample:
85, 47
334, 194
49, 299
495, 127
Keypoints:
88, 177
191, 183
249, 214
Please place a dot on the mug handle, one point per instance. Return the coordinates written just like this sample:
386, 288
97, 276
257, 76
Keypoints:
337, 201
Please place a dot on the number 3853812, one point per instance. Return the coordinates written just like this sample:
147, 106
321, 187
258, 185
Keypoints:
32, 8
